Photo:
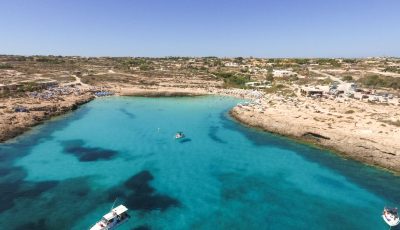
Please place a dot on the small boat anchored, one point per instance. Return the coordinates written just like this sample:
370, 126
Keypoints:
113, 219
179, 135
390, 216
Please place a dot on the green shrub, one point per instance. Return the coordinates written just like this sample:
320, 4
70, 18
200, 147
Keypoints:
301, 61
329, 61
380, 81
5, 66
348, 60
145, 67
347, 78
232, 79
50, 60
393, 69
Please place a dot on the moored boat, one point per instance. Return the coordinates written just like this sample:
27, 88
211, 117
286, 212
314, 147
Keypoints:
390, 216
179, 135
113, 219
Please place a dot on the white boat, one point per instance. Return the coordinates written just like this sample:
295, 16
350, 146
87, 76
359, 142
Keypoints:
179, 135
390, 216
113, 219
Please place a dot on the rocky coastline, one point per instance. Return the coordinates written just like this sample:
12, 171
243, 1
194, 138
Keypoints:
16, 123
381, 149
384, 154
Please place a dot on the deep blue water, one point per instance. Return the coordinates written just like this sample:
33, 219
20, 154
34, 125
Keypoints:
66, 173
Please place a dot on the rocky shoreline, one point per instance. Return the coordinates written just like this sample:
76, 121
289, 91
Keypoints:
367, 150
13, 124
369, 143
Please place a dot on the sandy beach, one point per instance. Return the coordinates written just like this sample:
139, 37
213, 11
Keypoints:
195, 91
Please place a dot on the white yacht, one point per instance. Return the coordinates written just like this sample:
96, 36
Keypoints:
179, 135
113, 219
390, 216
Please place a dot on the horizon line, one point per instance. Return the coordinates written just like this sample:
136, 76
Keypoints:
207, 56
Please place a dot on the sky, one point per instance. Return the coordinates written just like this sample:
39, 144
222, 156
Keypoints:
224, 28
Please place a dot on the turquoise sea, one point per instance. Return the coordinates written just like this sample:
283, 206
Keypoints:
66, 173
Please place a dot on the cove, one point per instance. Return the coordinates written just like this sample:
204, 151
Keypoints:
66, 173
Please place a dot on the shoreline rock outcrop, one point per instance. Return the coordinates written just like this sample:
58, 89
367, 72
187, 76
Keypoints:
14, 124
384, 153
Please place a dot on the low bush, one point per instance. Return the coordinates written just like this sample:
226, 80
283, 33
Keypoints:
232, 79
347, 78
375, 81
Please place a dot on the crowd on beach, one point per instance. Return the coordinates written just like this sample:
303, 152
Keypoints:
241, 93
59, 91
103, 93
55, 92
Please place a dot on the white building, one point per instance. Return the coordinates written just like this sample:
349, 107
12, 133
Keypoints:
258, 84
231, 64
360, 95
283, 73
346, 87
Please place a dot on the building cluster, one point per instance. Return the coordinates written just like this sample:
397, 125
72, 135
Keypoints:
259, 84
348, 91
283, 73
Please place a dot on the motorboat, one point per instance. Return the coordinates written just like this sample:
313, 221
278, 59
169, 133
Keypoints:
179, 135
113, 219
390, 216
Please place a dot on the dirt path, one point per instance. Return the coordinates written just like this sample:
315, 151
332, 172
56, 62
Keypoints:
389, 74
77, 81
333, 78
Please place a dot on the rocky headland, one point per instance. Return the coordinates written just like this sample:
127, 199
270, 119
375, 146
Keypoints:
364, 133
20, 114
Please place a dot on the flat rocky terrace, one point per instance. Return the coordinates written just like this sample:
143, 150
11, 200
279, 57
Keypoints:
363, 131
13, 123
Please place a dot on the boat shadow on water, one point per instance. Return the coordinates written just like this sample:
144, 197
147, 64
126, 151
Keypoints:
185, 140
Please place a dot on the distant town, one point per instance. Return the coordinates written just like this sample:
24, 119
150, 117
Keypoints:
370, 79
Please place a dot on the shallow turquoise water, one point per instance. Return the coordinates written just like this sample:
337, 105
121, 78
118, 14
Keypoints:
66, 174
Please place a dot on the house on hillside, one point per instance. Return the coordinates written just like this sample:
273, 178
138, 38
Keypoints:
347, 87
283, 73
309, 91
259, 84
231, 64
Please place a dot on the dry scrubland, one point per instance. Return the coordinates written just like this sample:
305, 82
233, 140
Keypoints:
350, 105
